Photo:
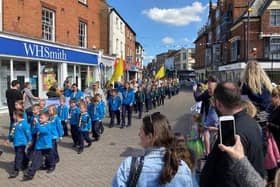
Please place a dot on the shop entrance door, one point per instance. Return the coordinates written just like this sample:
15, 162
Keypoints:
20, 76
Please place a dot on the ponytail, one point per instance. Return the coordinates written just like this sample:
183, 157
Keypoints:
171, 165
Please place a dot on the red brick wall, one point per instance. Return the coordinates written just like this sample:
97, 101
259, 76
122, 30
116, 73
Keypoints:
266, 28
24, 17
200, 51
130, 43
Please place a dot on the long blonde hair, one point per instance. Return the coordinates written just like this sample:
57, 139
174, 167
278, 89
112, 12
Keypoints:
255, 78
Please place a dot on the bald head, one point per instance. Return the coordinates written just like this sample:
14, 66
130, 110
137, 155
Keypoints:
228, 94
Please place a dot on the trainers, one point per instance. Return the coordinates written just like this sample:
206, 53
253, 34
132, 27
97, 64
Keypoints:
51, 169
14, 174
89, 144
79, 151
27, 177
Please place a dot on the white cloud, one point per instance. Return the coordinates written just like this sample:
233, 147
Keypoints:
167, 40
187, 40
177, 16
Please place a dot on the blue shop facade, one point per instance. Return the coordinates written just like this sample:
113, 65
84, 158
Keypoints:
43, 64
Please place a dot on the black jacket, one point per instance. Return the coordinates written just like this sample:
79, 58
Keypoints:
217, 170
205, 98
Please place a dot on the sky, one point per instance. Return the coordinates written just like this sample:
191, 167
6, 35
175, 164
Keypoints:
163, 24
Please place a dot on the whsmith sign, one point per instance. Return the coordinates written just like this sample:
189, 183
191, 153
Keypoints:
9, 46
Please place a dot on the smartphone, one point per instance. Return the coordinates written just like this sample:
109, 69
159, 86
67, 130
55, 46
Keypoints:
227, 130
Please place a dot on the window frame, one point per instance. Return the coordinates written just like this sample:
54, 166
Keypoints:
45, 33
274, 17
80, 34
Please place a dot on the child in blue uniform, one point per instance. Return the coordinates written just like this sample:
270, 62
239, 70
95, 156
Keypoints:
140, 101
34, 118
147, 98
84, 128
115, 102
128, 96
20, 106
62, 112
43, 106
56, 130
20, 135
98, 115
43, 147
74, 116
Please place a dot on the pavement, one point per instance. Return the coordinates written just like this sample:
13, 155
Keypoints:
97, 165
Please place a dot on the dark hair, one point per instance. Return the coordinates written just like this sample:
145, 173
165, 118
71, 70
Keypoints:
74, 84
228, 94
15, 82
43, 113
158, 126
20, 102
35, 105
72, 100
26, 84
212, 78
19, 113
183, 152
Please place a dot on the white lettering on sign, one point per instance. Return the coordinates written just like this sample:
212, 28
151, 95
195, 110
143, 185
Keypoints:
40, 51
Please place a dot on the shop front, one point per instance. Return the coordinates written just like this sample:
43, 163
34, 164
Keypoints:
43, 64
106, 68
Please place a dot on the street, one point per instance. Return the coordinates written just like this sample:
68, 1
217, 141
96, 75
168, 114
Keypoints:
97, 165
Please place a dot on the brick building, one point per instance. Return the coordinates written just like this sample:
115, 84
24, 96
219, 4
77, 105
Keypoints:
48, 40
130, 51
227, 49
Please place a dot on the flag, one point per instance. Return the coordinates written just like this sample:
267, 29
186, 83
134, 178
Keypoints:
161, 73
118, 70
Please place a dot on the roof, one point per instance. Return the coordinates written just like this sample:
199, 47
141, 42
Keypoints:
114, 10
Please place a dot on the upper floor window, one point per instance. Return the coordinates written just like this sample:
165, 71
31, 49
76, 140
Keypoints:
121, 26
184, 56
275, 17
83, 1
48, 26
275, 48
235, 50
82, 34
117, 22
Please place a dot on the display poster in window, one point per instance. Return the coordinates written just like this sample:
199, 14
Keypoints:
48, 80
33, 82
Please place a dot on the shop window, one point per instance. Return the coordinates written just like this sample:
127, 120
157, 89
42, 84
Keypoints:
5, 80
275, 17
49, 75
48, 24
82, 34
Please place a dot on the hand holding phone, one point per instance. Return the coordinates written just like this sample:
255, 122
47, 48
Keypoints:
227, 130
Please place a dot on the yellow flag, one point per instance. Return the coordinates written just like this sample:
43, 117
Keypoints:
161, 73
118, 72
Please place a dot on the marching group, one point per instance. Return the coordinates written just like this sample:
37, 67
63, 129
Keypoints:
35, 128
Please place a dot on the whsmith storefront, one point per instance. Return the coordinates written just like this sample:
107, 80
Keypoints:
42, 64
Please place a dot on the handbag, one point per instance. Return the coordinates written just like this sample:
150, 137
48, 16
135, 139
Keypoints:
272, 155
135, 171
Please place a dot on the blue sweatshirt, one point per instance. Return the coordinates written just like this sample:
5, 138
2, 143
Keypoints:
32, 124
62, 112
115, 102
56, 127
98, 112
85, 123
77, 96
128, 96
20, 133
44, 136
74, 116
67, 92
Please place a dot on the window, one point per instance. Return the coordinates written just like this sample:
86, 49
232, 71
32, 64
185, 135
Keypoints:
210, 36
117, 46
275, 48
275, 17
48, 30
83, 1
121, 26
184, 56
235, 50
117, 22
121, 48
218, 32
82, 34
